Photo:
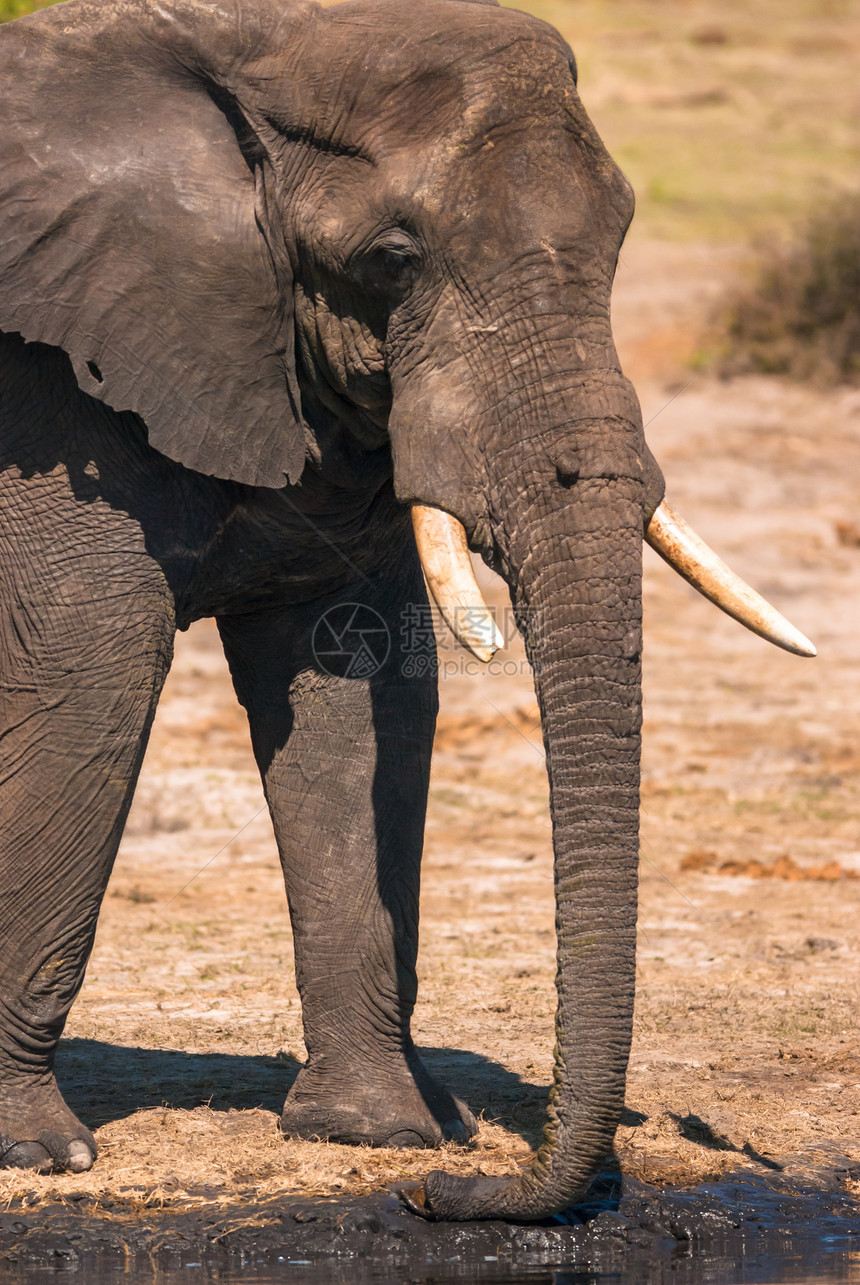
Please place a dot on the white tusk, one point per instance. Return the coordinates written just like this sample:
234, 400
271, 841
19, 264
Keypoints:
688, 554
444, 555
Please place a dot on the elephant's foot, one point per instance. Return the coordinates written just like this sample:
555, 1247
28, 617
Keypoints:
401, 1107
38, 1131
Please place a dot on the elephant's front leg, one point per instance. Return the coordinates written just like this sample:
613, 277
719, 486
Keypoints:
86, 635
345, 762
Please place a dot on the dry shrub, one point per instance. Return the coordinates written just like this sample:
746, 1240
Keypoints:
847, 534
784, 867
800, 315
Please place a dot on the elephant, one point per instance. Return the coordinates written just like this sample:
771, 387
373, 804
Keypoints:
299, 305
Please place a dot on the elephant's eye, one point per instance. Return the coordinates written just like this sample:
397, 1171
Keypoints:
396, 258
396, 261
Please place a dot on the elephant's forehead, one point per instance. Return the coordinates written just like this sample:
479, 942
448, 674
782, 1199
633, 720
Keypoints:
442, 68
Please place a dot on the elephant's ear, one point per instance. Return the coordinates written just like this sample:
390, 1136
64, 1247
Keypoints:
131, 222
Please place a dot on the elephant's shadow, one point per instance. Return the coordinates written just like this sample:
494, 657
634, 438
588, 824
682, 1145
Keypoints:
105, 1082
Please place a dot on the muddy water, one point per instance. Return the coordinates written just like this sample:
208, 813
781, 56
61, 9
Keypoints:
743, 1229
826, 1264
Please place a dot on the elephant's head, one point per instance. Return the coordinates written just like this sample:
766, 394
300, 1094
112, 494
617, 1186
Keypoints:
267, 227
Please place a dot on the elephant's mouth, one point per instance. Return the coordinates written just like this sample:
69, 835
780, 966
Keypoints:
443, 550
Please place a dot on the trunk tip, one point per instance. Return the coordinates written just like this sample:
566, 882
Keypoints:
415, 1200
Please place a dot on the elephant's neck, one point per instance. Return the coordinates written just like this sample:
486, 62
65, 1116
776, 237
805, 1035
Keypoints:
344, 447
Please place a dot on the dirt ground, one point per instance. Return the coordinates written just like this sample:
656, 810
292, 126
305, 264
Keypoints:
746, 1052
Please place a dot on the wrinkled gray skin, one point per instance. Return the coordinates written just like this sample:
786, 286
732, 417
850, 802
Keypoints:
280, 272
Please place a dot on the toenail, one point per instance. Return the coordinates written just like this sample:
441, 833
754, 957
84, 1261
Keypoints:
80, 1157
27, 1155
455, 1131
406, 1138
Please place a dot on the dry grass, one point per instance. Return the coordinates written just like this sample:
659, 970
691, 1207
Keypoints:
169, 1157
799, 315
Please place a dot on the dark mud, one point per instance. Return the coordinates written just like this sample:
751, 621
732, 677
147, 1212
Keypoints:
745, 1228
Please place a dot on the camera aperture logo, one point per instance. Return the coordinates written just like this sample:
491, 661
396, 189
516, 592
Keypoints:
351, 640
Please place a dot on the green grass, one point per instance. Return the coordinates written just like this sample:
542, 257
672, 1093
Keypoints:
730, 119
17, 8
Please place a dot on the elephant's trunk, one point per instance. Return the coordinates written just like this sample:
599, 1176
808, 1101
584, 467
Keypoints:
575, 572
578, 594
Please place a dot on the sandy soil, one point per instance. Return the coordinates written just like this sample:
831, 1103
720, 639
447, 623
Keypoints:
187, 1032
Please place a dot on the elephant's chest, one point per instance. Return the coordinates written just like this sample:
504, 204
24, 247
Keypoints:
275, 547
